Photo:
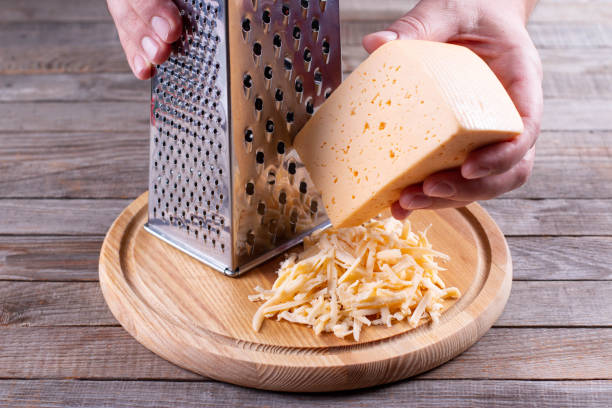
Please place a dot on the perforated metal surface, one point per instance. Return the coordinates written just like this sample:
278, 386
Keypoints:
226, 185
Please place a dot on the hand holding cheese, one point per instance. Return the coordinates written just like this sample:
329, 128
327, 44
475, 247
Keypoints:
495, 31
411, 109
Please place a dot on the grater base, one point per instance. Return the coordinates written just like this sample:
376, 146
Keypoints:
222, 268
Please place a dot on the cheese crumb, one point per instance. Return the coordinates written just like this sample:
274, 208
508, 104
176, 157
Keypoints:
346, 279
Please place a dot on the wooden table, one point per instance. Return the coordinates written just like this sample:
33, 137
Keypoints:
73, 153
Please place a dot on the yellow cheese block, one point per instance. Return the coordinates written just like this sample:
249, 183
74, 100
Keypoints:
412, 108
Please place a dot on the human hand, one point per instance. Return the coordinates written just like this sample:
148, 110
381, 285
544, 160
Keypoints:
496, 32
147, 28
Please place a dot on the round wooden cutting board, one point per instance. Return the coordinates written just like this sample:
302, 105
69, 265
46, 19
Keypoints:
200, 319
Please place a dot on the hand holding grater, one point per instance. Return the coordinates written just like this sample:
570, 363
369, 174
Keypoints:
225, 184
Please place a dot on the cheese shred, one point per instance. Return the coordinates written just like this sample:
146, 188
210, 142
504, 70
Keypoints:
347, 279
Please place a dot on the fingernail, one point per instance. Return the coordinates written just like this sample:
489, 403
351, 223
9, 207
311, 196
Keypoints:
475, 171
161, 27
150, 47
387, 35
442, 189
413, 202
139, 64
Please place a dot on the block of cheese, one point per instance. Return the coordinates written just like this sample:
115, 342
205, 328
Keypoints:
412, 108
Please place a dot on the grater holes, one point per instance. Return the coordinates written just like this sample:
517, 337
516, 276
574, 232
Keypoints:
303, 187
277, 41
266, 17
257, 49
248, 136
307, 55
268, 72
285, 10
278, 95
291, 168
280, 147
282, 198
269, 126
288, 64
297, 35
250, 238
290, 117
271, 177
318, 81
325, 48
299, 85
258, 104
259, 157
315, 26
261, 208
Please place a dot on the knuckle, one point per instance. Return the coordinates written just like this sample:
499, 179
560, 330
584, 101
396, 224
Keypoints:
523, 172
416, 25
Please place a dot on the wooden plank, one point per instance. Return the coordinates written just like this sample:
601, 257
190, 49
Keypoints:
551, 217
50, 258
569, 258
60, 48
567, 74
80, 352
111, 353
559, 115
82, 304
115, 165
53, 304
65, 258
75, 117
570, 165
78, 47
95, 10
70, 87
514, 216
575, 74
574, 304
572, 35
88, 165
546, 10
411, 393
58, 217
54, 10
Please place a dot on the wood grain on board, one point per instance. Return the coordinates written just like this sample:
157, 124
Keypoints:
195, 394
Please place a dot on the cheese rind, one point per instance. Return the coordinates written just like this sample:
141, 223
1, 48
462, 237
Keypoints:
412, 108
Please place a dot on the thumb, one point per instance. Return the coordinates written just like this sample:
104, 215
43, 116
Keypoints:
426, 21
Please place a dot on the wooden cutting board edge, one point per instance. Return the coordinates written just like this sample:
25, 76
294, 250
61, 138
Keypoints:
307, 369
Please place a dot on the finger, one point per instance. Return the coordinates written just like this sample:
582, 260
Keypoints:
137, 61
413, 198
139, 64
398, 212
162, 16
451, 185
426, 21
133, 30
520, 72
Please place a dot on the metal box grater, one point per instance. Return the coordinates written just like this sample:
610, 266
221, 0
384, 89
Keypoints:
225, 184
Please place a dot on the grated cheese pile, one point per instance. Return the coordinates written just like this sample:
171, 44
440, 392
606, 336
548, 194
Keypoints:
372, 274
